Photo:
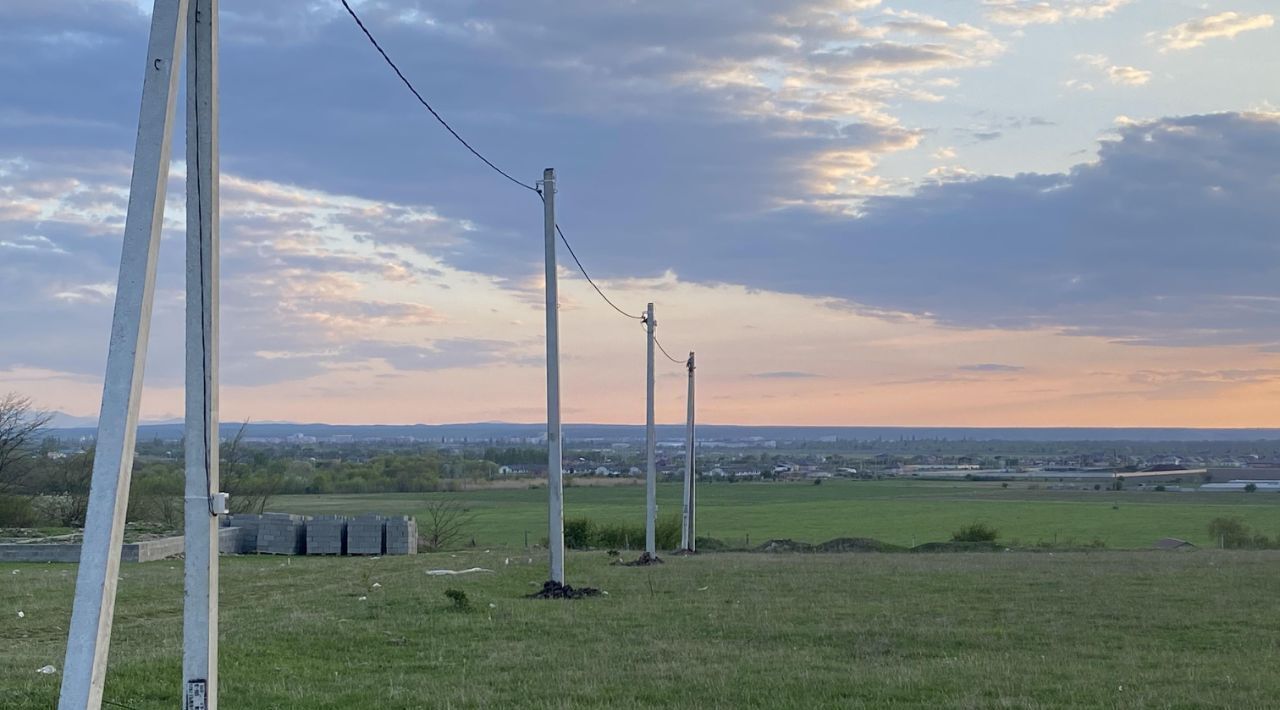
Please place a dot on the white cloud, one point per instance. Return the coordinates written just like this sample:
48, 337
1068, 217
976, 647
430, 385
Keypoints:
1227, 25
1128, 76
1120, 75
1020, 13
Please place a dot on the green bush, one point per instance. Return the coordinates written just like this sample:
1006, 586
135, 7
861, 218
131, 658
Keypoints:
579, 533
584, 533
17, 512
1233, 534
458, 599
619, 536
975, 532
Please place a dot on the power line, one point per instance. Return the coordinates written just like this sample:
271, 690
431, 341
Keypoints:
426, 105
477, 153
664, 351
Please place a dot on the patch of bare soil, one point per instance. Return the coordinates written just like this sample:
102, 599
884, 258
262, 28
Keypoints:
555, 590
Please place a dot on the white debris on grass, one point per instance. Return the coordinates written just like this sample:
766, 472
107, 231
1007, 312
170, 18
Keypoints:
46, 670
376, 585
442, 572
21, 615
361, 599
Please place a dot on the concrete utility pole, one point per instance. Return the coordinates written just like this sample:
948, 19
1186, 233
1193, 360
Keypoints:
202, 506
688, 540
555, 489
85, 665
650, 444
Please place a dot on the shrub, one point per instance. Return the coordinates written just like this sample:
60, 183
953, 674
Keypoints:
975, 532
618, 536
578, 533
584, 533
459, 599
1160, 489
1250, 487
1233, 534
16, 512
711, 544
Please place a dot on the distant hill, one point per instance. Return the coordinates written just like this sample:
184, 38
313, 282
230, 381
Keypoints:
483, 431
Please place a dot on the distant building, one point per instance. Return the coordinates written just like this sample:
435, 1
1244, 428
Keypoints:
1173, 543
1253, 473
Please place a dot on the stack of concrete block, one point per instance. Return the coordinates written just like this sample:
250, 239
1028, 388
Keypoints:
402, 536
282, 534
327, 535
365, 535
248, 524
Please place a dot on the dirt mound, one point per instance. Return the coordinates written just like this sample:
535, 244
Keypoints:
855, 544
784, 546
644, 560
552, 589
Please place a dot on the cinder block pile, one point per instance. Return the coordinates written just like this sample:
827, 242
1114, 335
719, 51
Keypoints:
401, 536
248, 524
327, 535
365, 535
282, 534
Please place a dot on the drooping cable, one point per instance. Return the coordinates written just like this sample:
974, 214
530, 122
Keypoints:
426, 105
408, 84
204, 326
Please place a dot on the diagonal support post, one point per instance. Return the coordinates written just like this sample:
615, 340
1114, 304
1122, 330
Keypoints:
89, 636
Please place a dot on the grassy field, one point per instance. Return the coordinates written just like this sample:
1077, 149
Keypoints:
1026, 630
898, 512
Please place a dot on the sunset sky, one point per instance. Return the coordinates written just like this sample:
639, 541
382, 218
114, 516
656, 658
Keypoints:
879, 212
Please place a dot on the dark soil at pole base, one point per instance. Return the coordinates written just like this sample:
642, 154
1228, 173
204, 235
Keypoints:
644, 560
552, 589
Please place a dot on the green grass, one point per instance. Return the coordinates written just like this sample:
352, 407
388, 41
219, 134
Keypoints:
898, 512
1109, 629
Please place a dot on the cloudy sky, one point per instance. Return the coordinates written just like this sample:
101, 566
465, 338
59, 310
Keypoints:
970, 212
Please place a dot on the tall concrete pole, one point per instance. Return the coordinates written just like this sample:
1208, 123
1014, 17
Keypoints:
555, 484
89, 636
650, 445
688, 539
200, 602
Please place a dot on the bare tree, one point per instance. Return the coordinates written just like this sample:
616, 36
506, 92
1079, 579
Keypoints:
21, 425
250, 490
443, 523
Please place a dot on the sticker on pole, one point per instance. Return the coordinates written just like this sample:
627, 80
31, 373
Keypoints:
197, 690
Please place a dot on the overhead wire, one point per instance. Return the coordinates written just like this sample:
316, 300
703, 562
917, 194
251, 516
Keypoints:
426, 105
408, 84
662, 349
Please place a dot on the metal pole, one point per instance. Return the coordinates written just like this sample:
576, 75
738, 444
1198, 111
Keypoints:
200, 603
555, 514
89, 636
650, 443
688, 540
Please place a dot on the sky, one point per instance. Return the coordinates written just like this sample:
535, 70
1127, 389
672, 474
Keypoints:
857, 212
